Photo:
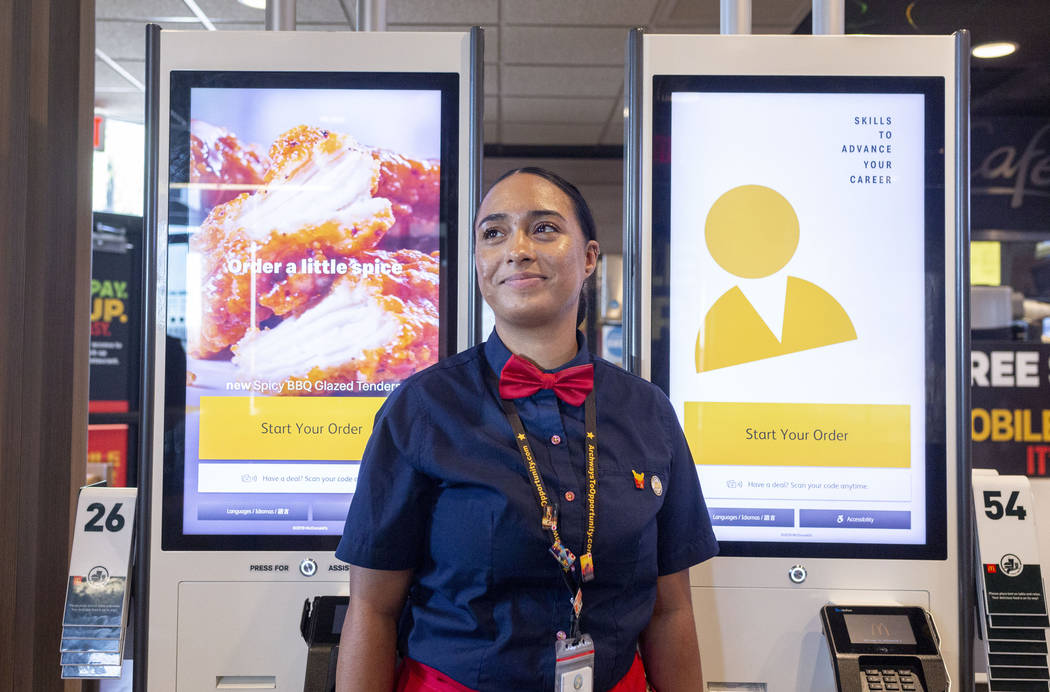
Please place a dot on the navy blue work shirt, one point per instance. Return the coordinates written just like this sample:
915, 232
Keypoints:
443, 490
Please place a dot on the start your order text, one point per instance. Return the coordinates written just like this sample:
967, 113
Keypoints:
817, 434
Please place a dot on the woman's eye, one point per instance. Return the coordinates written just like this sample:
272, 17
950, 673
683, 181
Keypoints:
489, 233
546, 228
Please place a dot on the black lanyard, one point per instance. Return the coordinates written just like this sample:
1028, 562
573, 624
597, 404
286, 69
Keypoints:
549, 508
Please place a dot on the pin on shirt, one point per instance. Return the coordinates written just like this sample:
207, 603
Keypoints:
639, 479
550, 518
563, 555
587, 567
657, 486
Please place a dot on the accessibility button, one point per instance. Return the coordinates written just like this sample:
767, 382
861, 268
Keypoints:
853, 519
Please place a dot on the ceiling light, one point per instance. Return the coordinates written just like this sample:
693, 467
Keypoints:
994, 49
254, 4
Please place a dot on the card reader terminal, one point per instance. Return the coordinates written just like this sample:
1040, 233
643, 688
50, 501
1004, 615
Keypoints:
884, 649
321, 626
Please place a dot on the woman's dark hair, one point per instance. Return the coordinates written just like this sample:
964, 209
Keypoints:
579, 207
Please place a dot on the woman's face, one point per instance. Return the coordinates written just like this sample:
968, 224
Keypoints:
530, 253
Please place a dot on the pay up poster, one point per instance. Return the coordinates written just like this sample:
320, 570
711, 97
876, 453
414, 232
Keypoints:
797, 352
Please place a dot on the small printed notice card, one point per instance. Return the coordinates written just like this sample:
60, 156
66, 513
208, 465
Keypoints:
96, 610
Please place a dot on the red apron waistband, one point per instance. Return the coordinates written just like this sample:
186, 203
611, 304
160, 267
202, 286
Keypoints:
419, 677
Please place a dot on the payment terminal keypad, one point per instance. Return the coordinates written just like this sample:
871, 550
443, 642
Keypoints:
890, 679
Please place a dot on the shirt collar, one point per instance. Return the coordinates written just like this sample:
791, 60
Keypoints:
497, 354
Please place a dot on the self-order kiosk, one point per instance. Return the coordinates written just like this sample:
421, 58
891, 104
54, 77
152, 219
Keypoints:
795, 242
310, 206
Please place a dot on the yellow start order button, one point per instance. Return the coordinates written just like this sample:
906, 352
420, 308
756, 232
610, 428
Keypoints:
285, 428
751, 434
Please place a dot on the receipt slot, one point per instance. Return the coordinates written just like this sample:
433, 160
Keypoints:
321, 626
892, 648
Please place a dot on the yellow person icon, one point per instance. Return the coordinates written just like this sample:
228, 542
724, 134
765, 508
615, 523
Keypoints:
752, 232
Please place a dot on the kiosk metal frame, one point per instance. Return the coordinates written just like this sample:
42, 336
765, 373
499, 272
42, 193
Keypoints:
261, 647
746, 605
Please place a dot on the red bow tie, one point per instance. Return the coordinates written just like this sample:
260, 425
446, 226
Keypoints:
520, 378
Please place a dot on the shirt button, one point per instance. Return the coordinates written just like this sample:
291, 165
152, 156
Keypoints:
569, 496
555, 439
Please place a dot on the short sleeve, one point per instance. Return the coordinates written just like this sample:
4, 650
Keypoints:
386, 525
685, 536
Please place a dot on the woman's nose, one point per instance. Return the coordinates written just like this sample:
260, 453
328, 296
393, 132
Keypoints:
520, 246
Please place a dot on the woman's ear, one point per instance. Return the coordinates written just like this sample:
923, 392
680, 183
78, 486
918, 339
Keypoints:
593, 251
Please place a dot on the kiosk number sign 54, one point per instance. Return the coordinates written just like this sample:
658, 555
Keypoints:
995, 509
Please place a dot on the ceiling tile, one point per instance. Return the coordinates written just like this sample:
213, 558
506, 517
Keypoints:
336, 26
592, 110
442, 12
561, 81
679, 29
613, 133
579, 12
140, 9
108, 78
299, 26
564, 45
767, 16
784, 13
550, 133
491, 35
231, 10
137, 68
492, 78
323, 11
242, 26
689, 13
774, 28
491, 129
126, 40
306, 12
492, 109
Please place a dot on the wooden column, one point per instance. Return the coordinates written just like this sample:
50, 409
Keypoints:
46, 96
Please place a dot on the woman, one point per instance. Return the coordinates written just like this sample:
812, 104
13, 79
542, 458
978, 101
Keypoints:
523, 494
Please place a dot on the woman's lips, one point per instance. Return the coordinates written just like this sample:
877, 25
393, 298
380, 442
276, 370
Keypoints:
523, 280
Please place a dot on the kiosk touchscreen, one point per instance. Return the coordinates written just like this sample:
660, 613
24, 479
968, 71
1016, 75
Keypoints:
801, 312
308, 215
312, 193
805, 293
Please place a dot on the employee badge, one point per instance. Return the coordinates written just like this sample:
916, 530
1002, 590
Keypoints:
574, 664
658, 487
